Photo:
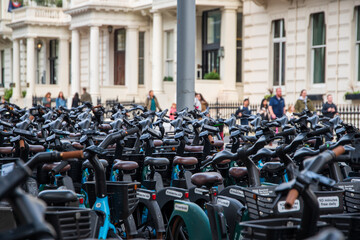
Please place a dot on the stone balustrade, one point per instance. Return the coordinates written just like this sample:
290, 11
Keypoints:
40, 14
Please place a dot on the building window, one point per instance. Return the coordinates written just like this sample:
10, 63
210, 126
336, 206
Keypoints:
120, 45
141, 57
54, 53
169, 60
211, 41
358, 42
279, 40
2, 59
318, 47
239, 48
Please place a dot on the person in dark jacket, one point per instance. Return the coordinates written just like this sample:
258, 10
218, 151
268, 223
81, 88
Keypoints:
75, 100
244, 109
329, 109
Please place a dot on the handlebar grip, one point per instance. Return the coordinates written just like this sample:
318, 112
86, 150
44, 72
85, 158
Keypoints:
22, 144
211, 139
339, 150
291, 197
72, 154
132, 131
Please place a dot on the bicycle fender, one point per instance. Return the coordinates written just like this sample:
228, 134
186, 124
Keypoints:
194, 218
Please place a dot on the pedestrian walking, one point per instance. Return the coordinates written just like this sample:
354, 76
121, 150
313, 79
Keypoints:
75, 100
244, 109
60, 100
277, 105
203, 102
85, 97
263, 110
151, 102
329, 109
46, 101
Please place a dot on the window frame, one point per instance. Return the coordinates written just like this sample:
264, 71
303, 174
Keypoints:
357, 44
239, 67
169, 61
2, 68
282, 50
209, 48
141, 78
53, 57
312, 50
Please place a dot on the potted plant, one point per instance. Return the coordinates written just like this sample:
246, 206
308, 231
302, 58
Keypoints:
23, 94
168, 79
212, 75
352, 95
270, 95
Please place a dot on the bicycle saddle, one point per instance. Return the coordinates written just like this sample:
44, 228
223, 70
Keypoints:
273, 167
77, 145
54, 197
188, 161
125, 165
238, 172
208, 179
158, 143
194, 148
156, 161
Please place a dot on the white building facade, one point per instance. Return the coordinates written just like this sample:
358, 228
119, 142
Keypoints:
123, 48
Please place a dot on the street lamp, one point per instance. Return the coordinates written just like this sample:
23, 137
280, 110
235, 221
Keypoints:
110, 29
39, 46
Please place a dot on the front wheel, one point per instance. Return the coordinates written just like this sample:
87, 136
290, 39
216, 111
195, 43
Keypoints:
179, 230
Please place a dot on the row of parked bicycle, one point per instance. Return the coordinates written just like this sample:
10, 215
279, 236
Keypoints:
129, 178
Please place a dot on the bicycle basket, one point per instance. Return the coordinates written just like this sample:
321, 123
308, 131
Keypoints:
122, 198
348, 224
280, 228
260, 204
69, 223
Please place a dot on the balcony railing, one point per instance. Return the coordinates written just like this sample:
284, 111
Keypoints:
117, 3
40, 14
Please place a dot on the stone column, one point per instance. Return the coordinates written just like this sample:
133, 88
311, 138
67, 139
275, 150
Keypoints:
94, 63
30, 69
131, 59
107, 58
64, 66
16, 70
157, 52
75, 62
228, 63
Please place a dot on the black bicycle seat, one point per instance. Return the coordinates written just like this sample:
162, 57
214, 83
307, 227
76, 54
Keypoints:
156, 161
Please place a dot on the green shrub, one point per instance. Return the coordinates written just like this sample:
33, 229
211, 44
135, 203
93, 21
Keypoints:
268, 96
168, 79
8, 94
212, 75
23, 94
356, 92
